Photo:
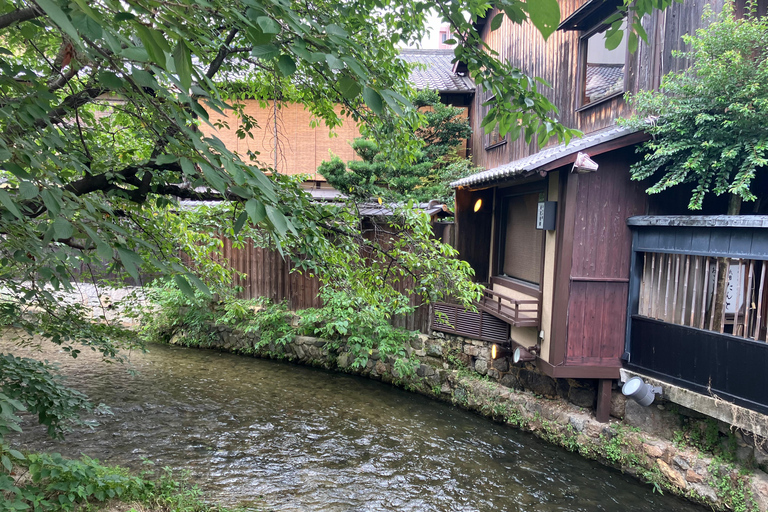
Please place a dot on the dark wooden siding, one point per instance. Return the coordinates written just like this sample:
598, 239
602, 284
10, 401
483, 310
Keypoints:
599, 266
556, 61
268, 274
473, 230
710, 363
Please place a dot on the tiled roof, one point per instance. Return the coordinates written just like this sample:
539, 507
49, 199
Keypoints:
604, 80
545, 156
438, 74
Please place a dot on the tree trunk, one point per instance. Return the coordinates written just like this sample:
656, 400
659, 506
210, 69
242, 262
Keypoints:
721, 286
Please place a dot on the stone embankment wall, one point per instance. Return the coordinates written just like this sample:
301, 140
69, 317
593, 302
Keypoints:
649, 443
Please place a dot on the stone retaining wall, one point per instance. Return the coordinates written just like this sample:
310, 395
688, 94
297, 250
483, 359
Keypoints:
639, 440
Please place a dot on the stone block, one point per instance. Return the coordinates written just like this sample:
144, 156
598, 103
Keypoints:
511, 380
434, 349
693, 477
501, 364
494, 373
538, 383
471, 351
380, 368
651, 419
671, 475
343, 360
307, 340
653, 450
577, 422
704, 491
582, 397
618, 405
681, 462
481, 366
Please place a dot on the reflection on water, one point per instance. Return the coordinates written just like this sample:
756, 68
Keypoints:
310, 440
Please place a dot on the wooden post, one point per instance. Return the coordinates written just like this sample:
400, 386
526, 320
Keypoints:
603, 412
734, 206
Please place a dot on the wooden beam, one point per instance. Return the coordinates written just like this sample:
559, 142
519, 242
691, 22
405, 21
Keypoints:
603, 412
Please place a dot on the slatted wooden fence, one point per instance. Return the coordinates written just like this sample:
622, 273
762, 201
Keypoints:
680, 289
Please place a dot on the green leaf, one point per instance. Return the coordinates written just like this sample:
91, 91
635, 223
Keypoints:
278, 220
286, 65
6, 201
199, 284
348, 87
27, 190
124, 16
59, 18
110, 80
151, 44
613, 39
183, 285
256, 210
545, 16
62, 228
131, 261
7, 463
265, 51
87, 25
495, 23
240, 222
373, 100
333, 61
182, 59
268, 25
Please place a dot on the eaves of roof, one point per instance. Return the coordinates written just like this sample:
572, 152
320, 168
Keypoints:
553, 157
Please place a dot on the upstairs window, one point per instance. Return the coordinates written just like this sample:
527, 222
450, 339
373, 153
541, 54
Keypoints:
494, 138
603, 71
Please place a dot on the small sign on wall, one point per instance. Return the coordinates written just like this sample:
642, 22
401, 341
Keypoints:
545, 215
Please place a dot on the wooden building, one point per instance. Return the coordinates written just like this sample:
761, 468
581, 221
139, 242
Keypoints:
548, 234
289, 140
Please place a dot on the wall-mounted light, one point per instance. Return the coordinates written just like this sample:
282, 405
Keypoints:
498, 351
584, 164
478, 205
640, 391
525, 354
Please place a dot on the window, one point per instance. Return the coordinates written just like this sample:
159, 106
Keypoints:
443, 37
602, 70
494, 138
520, 244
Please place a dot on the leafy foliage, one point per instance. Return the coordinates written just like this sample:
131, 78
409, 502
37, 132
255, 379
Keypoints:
381, 174
711, 129
34, 384
52, 483
359, 327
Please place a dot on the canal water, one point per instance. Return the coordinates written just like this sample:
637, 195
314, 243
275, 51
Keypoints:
292, 438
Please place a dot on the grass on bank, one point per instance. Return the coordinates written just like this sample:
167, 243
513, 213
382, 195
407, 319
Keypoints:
49, 482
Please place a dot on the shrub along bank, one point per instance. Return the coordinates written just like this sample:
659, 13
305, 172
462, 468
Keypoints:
50, 482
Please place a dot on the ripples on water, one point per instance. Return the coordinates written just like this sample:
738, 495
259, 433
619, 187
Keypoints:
309, 440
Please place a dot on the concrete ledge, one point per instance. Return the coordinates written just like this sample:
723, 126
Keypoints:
712, 406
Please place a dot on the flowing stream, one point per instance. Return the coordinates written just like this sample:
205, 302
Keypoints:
291, 438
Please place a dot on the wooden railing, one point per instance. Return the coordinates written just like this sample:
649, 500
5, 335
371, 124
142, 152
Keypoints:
516, 312
682, 289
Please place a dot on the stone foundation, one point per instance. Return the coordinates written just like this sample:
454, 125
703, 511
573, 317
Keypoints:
647, 442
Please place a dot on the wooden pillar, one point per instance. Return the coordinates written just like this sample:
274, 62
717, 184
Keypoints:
603, 412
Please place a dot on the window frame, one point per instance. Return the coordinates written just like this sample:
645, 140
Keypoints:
581, 74
487, 144
516, 283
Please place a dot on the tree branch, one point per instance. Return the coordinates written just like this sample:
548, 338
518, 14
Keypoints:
20, 16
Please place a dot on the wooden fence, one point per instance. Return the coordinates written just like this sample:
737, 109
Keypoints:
267, 274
